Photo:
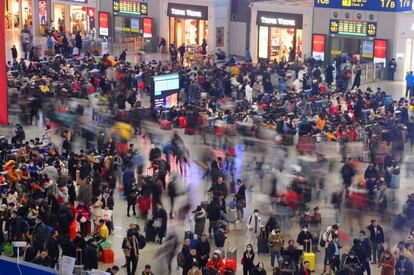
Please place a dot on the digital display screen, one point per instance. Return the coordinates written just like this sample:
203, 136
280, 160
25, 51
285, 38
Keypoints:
373, 5
353, 27
368, 49
130, 7
165, 90
318, 47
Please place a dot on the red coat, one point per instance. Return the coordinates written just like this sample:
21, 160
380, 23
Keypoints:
216, 264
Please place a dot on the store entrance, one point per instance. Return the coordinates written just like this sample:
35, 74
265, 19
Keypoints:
280, 44
187, 31
362, 49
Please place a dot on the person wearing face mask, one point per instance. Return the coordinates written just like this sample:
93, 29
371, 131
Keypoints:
352, 263
254, 225
333, 251
305, 238
387, 263
276, 242
247, 260
259, 269
403, 266
216, 263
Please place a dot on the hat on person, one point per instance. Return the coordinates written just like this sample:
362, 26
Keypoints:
217, 252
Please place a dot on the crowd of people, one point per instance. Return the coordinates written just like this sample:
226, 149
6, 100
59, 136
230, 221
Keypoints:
60, 198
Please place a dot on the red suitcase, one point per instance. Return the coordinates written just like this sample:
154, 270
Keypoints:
165, 125
182, 122
190, 131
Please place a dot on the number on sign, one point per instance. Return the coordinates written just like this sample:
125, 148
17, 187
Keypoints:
405, 3
389, 4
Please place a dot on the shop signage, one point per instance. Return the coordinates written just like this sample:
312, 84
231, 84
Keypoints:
318, 47
187, 11
380, 51
130, 7
352, 27
103, 24
372, 5
284, 20
147, 27
77, 1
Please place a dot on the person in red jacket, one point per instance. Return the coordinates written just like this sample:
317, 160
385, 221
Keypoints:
216, 263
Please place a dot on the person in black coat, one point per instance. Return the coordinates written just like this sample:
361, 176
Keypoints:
43, 259
160, 221
248, 260
376, 238
68, 247
259, 269
52, 246
357, 79
203, 250
90, 255
190, 260
305, 238
78, 41
213, 214
39, 234
329, 74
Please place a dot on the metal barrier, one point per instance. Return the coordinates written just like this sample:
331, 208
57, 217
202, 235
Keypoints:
372, 72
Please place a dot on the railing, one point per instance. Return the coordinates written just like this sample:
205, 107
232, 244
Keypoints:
372, 72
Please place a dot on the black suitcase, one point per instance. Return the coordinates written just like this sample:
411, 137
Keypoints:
150, 232
262, 247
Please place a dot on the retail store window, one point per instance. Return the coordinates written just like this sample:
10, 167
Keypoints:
278, 43
187, 31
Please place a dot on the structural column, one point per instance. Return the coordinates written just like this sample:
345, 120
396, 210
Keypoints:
3, 77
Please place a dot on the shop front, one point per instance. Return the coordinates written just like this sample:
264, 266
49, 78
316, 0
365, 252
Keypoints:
280, 36
128, 24
279, 32
188, 24
72, 16
18, 13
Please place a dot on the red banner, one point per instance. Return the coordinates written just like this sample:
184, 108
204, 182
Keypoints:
4, 118
380, 51
147, 27
103, 23
318, 46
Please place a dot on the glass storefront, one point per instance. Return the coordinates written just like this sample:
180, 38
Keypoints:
18, 13
128, 31
188, 24
280, 36
187, 31
78, 19
59, 17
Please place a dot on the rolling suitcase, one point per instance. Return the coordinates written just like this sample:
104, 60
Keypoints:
262, 247
150, 232
182, 122
309, 257
232, 215
165, 125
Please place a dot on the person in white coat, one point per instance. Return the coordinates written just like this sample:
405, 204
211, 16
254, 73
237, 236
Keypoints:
254, 225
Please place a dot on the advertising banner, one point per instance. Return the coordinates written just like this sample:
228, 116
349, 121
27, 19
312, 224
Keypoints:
103, 23
147, 27
380, 51
318, 47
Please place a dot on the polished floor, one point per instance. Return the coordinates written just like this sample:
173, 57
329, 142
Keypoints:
350, 221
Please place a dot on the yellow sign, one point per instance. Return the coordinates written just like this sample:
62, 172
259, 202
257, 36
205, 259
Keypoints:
346, 3
334, 27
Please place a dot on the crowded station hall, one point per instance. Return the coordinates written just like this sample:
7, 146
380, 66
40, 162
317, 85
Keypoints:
214, 137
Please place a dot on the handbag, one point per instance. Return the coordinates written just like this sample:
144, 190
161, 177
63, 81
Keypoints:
8, 249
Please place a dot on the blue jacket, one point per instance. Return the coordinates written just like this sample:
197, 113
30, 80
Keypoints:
409, 80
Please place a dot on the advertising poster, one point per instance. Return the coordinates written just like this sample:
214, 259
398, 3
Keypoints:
380, 51
134, 25
263, 42
318, 47
147, 27
219, 36
103, 23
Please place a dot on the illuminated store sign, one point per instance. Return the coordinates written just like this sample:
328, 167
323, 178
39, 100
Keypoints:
130, 7
283, 20
187, 11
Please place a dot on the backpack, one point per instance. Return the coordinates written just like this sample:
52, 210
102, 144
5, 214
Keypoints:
107, 256
322, 242
49, 231
141, 241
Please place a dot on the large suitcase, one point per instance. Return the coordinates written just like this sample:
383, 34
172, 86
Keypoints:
182, 122
189, 131
232, 215
310, 257
262, 247
165, 125
150, 232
